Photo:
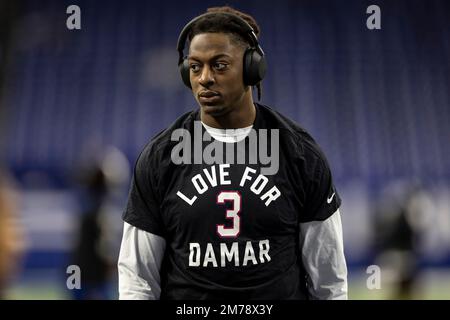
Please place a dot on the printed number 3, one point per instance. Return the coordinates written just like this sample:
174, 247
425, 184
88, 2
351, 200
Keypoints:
230, 214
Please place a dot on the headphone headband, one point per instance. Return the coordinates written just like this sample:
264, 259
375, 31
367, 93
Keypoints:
248, 30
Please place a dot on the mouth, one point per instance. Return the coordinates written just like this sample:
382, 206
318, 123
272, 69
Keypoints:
208, 97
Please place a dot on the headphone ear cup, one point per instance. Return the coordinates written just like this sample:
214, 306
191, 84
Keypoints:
185, 74
255, 67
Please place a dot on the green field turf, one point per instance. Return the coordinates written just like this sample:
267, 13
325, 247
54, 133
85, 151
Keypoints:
431, 285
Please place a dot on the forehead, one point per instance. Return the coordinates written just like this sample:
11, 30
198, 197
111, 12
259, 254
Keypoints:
207, 44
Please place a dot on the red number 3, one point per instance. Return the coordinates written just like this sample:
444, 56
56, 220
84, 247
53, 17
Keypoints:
230, 214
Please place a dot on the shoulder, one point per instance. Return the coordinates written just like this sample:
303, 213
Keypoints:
305, 147
157, 150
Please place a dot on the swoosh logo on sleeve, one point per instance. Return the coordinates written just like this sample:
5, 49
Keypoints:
331, 198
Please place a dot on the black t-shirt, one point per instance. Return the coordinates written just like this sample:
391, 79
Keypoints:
231, 231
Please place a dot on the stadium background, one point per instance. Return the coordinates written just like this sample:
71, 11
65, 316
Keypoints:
377, 102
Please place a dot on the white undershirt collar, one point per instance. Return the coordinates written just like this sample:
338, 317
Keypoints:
228, 135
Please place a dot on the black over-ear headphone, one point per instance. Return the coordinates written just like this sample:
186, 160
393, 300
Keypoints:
254, 61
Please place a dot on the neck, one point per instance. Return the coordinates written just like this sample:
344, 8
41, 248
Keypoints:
241, 115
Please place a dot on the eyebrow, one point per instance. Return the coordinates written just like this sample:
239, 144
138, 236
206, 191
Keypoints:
221, 55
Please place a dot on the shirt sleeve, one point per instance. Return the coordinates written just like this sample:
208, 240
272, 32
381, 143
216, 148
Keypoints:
143, 204
321, 199
139, 264
322, 247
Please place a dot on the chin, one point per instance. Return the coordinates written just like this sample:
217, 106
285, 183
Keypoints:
214, 110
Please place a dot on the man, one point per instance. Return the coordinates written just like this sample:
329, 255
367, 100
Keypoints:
210, 214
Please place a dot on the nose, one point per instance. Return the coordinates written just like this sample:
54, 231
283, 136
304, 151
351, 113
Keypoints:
207, 77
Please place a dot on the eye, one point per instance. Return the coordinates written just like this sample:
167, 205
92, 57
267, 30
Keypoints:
220, 66
194, 67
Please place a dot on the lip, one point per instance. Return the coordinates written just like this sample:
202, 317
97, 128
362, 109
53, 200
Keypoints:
208, 97
208, 94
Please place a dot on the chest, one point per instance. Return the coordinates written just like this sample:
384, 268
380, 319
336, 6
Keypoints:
209, 202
